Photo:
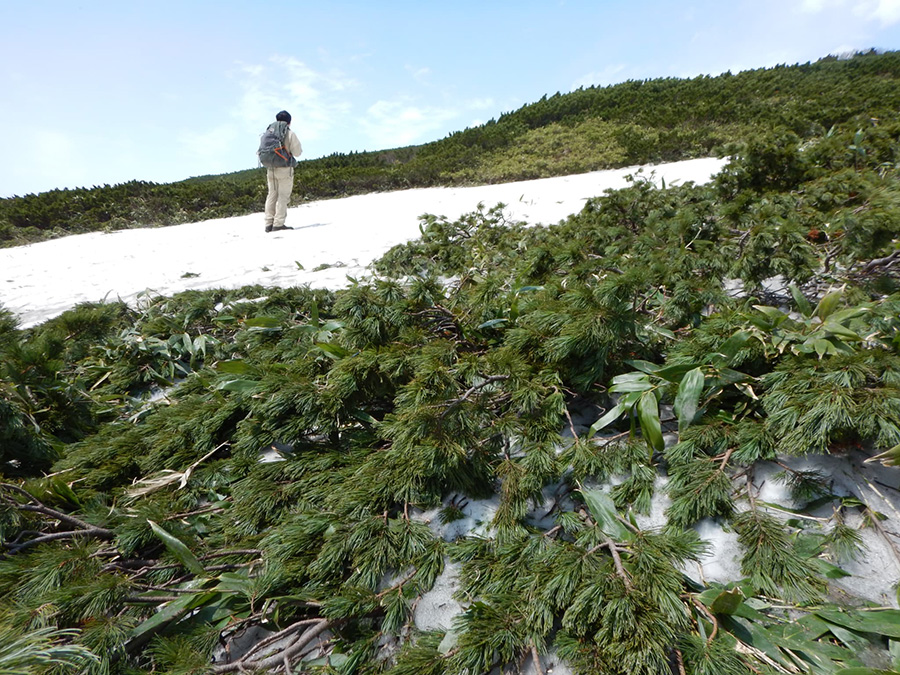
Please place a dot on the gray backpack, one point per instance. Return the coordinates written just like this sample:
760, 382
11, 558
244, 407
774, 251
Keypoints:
272, 153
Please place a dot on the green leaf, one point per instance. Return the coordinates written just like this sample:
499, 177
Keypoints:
333, 350
492, 323
630, 382
659, 330
263, 322
677, 372
334, 660
241, 386
773, 314
332, 325
840, 331
800, 300
843, 315
688, 398
734, 344
828, 304
611, 416
894, 649
604, 513
890, 457
643, 366
449, 642
234, 367
61, 489
648, 414
759, 639
630, 377
727, 602
829, 570
168, 613
363, 416
178, 549
884, 622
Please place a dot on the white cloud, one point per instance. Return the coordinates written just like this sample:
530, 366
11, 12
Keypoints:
314, 98
886, 12
480, 104
390, 124
419, 74
203, 152
601, 77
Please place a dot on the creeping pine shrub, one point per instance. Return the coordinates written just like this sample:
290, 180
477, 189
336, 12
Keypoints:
544, 383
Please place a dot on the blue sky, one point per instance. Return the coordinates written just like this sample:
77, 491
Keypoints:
95, 92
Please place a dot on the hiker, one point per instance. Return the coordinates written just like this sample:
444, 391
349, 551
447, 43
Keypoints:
280, 176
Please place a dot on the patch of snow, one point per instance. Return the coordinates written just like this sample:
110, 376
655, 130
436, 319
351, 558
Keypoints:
437, 608
47, 278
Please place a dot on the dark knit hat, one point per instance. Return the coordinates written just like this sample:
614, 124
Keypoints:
283, 116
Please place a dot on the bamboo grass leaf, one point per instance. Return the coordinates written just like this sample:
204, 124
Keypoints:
604, 513
882, 621
630, 382
843, 315
170, 612
643, 366
240, 386
828, 304
676, 372
803, 305
263, 322
332, 350
611, 416
727, 602
178, 549
235, 367
774, 315
648, 414
688, 398
840, 331
890, 457
734, 344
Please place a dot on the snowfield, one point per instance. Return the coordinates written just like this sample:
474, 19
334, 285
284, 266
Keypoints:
331, 240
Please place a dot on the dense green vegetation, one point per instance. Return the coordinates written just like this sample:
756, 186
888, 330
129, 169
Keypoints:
713, 331
636, 122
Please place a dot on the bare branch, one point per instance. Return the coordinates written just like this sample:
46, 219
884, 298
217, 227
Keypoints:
459, 401
295, 648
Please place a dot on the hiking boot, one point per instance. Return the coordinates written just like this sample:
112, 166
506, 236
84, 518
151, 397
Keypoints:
268, 228
280, 228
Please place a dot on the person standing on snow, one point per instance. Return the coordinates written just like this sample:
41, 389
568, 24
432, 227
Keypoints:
280, 179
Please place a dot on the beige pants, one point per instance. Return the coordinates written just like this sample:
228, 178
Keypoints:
281, 183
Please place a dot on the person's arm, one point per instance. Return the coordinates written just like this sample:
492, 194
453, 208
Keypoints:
294, 144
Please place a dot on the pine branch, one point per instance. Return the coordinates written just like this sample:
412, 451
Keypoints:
617, 561
39, 507
709, 615
680, 659
879, 263
275, 637
94, 532
297, 646
459, 401
536, 658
